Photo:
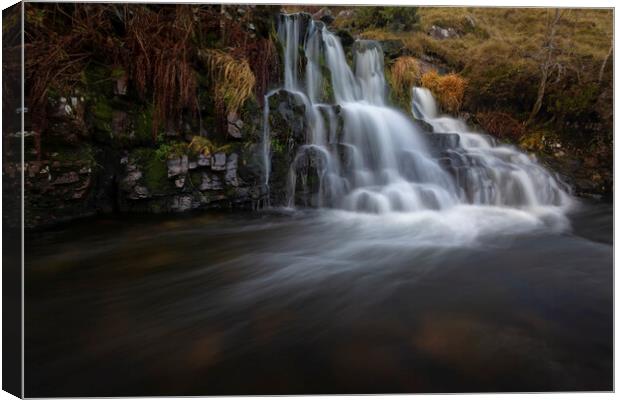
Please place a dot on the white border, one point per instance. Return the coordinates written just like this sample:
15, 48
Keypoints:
479, 3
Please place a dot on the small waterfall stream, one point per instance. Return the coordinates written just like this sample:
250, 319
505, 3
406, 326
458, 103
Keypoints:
486, 172
369, 157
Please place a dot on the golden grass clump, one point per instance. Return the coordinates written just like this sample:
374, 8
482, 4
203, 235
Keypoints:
449, 90
404, 74
201, 145
233, 79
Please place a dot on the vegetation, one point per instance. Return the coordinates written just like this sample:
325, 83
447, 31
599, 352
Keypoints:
167, 76
233, 80
393, 18
448, 89
404, 74
151, 61
544, 70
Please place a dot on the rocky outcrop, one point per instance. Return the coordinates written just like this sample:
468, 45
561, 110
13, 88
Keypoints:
437, 32
56, 190
184, 182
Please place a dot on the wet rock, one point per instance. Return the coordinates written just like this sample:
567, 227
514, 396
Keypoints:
440, 142
324, 15
235, 125
180, 181
132, 178
287, 115
139, 192
346, 39
218, 162
177, 166
231, 171
181, 203
210, 182
203, 160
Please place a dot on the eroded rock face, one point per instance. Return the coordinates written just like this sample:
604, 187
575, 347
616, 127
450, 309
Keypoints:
231, 171
56, 190
210, 182
235, 126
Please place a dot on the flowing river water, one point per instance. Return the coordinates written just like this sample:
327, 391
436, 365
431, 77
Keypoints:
318, 302
469, 270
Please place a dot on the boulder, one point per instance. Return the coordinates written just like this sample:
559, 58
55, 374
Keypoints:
440, 33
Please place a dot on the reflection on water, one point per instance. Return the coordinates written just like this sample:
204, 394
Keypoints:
321, 302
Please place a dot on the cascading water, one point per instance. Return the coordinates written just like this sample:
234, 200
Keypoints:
369, 157
485, 172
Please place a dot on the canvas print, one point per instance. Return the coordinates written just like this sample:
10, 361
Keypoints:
241, 199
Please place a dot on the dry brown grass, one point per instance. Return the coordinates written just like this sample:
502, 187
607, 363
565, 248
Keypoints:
233, 79
449, 89
500, 124
404, 74
159, 60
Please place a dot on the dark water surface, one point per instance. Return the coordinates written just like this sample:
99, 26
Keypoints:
319, 302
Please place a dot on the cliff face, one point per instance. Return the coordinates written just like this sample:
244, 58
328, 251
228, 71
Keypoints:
141, 108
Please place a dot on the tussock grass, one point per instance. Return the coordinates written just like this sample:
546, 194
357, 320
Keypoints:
449, 89
233, 79
404, 74
201, 145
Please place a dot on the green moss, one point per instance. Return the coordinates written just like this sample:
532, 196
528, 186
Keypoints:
171, 150
143, 123
102, 111
117, 72
277, 146
155, 170
84, 153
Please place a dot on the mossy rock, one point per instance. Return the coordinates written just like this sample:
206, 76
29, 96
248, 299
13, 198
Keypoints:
154, 171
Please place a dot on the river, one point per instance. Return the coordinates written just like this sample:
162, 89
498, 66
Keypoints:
320, 301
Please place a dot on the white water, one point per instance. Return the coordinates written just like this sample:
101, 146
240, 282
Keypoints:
488, 173
378, 161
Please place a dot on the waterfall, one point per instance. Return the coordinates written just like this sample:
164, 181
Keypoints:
363, 155
487, 172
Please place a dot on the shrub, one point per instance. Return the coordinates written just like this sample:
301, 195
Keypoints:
501, 125
449, 89
404, 74
201, 145
394, 18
